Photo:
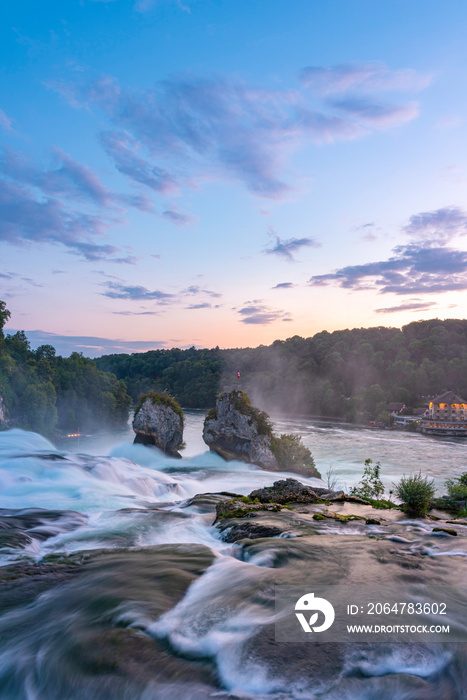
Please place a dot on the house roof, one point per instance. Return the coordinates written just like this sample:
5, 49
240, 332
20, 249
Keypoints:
448, 397
396, 406
419, 411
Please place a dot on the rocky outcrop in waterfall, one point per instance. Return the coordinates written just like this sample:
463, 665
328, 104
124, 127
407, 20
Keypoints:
159, 421
237, 430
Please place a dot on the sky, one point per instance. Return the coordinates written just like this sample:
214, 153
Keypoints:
230, 172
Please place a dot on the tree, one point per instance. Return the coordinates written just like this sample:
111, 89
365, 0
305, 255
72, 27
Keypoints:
290, 452
47, 351
18, 346
4, 315
370, 485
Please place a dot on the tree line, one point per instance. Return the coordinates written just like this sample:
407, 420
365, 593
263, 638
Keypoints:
354, 374
191, 376
348, 374
45, 392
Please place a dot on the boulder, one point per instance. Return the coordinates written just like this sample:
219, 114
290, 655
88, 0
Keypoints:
236, 430
446, 531
159, 421
242, 508
286, 491
249, 531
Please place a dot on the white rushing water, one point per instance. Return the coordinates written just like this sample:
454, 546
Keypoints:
35, 474
131, 496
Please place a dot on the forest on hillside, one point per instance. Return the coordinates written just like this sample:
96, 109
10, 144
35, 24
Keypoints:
191, 376
45, 393
348, 374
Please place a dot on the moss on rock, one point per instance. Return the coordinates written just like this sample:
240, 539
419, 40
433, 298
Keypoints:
163, 398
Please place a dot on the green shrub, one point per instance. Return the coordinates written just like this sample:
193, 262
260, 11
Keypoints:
457, 487
212, 414
456, 499
161, 397
260, 418
291, 452
370, 486
416, 493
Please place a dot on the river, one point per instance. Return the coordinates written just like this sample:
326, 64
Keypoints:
342, 446
116, 584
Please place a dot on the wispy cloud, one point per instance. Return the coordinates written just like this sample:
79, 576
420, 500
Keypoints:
115, 290
125, 152
376, 114
177, 218
414, 269
196, 289
204, 305
23, 217
362, 77
284, 285
146, 5
64, 204
412, 306
354, 90
69, 178
438, 226
368, 231
260, 314
286, 248
120, 290
5, 121
428, 266
17, 277
136, 313
326, 128
188, 129
30, 281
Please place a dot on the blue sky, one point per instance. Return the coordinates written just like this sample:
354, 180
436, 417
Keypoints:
212, 172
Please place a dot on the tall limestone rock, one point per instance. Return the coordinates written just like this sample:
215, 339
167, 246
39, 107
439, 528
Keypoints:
159, 421
237, 430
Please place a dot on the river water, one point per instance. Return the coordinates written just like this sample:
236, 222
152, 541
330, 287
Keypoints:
342, 446
116, 583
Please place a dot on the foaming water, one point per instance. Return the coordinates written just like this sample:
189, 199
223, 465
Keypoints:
136, 496
152, 573
203, 625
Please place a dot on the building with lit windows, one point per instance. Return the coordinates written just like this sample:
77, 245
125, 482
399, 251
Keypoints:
447, 415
